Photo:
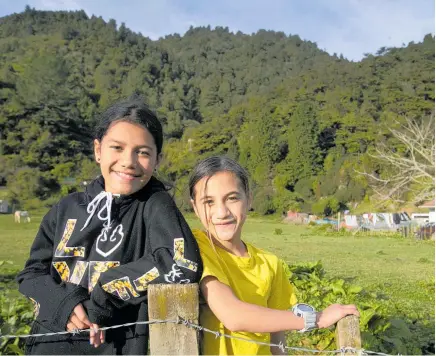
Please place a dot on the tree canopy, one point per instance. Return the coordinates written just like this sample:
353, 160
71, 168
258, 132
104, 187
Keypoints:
302, 121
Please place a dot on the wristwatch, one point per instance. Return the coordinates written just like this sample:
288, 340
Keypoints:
308, 313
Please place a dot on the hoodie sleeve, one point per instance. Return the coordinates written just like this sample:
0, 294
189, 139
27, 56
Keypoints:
53, 300
171, 256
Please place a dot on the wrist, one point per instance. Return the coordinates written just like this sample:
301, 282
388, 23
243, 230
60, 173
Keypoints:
319, 324
300, 324
308, 315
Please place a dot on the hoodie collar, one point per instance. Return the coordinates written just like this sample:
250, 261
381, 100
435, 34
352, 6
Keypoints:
99, 202
97, 186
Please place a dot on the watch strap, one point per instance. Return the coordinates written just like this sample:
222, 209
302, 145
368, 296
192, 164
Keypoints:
309, 321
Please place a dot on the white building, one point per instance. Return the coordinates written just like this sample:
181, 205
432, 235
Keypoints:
431, 213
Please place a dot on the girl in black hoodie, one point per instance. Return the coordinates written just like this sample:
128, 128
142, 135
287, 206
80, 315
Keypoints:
96, 252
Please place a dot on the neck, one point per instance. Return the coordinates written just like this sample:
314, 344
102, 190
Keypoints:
236, 246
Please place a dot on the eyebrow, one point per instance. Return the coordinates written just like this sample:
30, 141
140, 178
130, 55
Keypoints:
228, 194
123, 143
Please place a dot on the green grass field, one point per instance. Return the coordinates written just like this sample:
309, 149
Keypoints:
400, 269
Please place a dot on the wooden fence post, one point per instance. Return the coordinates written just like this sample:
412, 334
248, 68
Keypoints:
168, 301
348, 333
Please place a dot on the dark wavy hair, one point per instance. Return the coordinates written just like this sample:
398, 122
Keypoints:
212, 165
134, 110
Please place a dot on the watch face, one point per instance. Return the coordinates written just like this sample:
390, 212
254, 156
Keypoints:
305, 308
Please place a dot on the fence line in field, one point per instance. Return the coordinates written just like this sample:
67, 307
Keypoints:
197, 327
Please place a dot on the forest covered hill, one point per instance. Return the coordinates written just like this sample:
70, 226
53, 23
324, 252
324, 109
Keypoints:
302, 121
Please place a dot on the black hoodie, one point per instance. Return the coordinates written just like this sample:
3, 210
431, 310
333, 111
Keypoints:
102, 250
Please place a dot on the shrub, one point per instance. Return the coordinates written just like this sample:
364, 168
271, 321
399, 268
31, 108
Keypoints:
383, 328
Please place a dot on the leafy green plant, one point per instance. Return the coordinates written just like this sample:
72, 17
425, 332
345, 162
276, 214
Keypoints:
331, 230
383, 328
16, 312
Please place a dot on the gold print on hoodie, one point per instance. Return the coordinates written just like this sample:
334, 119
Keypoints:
78, 272
64, 271
63, 250
36, 307
120, 288
179, 255
142, 282
96, 268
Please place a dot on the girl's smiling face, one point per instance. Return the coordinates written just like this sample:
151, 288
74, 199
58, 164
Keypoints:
127, 155
222, 205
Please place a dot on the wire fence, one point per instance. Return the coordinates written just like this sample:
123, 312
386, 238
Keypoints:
197, 327
419, 232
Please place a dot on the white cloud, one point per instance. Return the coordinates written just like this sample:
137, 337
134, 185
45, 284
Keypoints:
350, 27
366, 26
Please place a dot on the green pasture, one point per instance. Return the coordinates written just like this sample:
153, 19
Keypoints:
397, 268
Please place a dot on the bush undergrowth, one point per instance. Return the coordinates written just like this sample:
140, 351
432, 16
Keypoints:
385, 327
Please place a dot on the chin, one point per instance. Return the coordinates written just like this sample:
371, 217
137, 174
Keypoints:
225, 237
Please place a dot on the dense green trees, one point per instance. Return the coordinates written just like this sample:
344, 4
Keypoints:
300, 120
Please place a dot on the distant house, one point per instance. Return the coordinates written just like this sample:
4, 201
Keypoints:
5, 207
431, 210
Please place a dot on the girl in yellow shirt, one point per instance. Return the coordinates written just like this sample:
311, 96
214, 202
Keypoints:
246, 290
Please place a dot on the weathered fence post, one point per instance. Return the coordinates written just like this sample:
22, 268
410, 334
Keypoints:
348, 334
169, 301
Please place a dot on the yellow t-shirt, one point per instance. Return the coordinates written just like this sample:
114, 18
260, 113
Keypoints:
261, 279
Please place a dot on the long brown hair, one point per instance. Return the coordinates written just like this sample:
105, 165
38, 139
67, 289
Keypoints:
207, 168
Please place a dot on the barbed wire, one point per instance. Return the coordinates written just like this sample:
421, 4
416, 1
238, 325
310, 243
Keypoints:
197, 327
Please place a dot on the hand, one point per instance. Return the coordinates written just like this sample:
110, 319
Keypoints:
96, 337
335, 312
78, 319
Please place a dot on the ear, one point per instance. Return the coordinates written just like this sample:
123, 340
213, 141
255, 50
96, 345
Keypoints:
194, 207
97, 150
250, 201
158, 160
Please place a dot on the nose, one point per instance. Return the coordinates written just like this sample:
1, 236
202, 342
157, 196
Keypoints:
221, 211
128, 159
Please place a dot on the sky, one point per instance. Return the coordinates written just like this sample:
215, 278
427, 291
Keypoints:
348, 27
